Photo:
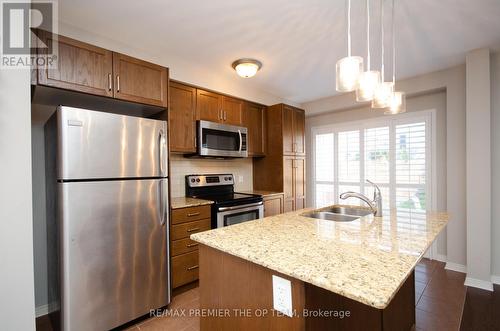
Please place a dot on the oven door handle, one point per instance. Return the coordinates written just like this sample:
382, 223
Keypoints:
240, 207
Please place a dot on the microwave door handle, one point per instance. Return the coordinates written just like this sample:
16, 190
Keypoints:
241, 140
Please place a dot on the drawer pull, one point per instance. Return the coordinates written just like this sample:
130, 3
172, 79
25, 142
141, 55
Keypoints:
192, 268
191, 245
193, 229
193, 214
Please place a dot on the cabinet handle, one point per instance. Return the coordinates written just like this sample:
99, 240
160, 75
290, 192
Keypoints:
109, 82
219, 114
192, 268
117, 83
193, 214
193, 229
225, 115
191, 245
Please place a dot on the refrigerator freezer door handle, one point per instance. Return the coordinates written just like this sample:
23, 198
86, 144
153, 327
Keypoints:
162, 143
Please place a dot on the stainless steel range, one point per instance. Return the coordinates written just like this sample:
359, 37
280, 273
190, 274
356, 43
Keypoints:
229, 207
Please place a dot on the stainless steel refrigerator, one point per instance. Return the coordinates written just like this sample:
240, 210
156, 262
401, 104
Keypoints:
112, 216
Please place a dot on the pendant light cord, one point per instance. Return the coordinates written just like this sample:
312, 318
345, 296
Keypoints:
382, 68
393, 48
368, 33
349, 28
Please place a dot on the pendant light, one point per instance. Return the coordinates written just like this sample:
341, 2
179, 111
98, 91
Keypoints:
397, 103
384, 90
349, 67
370, 79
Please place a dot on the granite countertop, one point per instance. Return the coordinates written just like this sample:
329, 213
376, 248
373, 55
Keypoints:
366, 260
183, 202
263, 193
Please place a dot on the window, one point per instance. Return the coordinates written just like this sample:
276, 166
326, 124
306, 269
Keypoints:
393, 152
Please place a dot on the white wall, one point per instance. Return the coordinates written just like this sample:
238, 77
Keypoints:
181, 166
17, 302
452, 81
495, 164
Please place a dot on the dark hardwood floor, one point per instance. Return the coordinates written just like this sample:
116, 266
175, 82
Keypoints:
481, 310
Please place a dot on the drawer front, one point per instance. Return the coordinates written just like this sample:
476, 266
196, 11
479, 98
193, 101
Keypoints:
184, 230
190, 214
272, 206
184, 269
182, 246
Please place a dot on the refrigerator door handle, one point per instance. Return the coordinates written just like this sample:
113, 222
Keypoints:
162, 143
163, 202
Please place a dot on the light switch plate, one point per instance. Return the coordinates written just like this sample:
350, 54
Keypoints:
282, 295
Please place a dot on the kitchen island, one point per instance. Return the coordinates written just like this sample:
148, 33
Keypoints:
343, 275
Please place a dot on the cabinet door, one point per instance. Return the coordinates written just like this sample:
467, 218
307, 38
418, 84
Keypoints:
232, 110
254, 120
299, 132
272, 206
82, 67
288, 183
288, 131
182, 121
300, 182
208, 106
140, 81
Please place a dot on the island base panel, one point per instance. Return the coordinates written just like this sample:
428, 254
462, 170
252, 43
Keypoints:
236, 294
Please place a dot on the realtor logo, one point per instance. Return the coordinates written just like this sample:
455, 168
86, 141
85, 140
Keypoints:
29, 34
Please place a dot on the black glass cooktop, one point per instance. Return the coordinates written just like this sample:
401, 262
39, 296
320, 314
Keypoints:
231, 198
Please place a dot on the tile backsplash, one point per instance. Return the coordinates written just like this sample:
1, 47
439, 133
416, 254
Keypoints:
181, 166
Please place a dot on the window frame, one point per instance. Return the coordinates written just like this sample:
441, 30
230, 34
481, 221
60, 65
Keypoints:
427, 116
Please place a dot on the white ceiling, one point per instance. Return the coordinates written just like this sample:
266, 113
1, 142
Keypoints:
298, 41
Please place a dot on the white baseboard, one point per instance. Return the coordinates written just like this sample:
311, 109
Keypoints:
455, 267
495, 279
46, 309
440, 257
479, 283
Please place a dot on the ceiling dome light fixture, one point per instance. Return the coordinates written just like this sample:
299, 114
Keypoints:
370, 79
349, 67
246, 68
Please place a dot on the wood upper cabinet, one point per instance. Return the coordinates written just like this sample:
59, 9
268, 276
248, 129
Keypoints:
82, 67
139, 81
182, 120
254, 121
208, 106
288, 130
293, 131
232, 110
299, 129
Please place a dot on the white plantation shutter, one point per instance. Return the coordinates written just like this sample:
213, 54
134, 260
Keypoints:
392, 152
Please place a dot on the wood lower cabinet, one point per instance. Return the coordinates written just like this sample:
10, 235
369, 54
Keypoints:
184, 251
273, 205
182, 121
82, 67
140, 81
283, 168
254, 121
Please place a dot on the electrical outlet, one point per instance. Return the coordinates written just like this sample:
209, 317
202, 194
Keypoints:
282, 295
240, 179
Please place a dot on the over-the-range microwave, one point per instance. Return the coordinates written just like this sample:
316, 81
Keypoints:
221, 140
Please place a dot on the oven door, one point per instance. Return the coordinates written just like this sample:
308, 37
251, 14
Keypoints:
221, 140
238, 214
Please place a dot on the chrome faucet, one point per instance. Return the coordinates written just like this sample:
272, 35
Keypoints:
375, 205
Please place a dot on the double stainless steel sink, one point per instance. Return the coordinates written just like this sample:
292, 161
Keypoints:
338, 213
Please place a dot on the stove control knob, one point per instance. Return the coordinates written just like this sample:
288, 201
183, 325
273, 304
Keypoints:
192, 180
197, 180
